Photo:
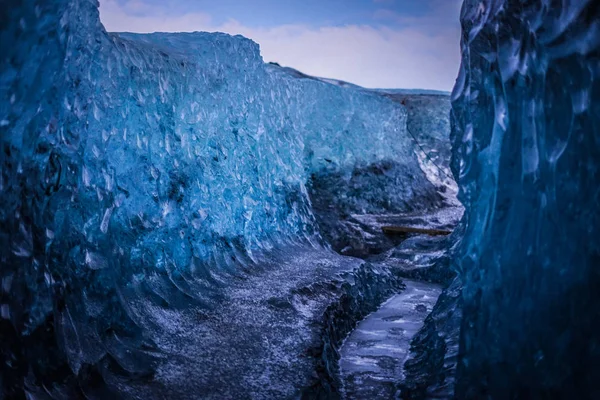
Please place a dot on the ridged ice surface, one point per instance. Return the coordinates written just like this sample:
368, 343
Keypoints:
428, 124
526, 110
144, 176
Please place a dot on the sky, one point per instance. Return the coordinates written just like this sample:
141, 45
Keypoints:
372, 43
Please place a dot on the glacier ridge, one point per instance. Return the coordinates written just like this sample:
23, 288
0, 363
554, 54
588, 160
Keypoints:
142, 174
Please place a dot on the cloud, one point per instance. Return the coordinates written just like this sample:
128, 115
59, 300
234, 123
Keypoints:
140, 17
371, 56
440, 15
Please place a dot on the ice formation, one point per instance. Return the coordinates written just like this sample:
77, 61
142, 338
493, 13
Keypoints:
520, 319
428, 124
170, 202
144, 174
526, 134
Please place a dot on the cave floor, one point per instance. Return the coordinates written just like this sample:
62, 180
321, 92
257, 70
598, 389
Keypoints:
261, 339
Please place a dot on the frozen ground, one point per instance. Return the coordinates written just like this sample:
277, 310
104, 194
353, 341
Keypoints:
266, 337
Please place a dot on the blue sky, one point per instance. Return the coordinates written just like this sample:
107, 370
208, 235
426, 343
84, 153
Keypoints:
373, 43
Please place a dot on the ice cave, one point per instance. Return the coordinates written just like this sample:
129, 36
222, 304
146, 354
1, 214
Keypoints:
180, 219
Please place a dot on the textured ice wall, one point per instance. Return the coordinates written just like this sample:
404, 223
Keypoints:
137, 166
428, 124
526, 111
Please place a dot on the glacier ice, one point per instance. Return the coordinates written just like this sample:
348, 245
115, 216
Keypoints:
525, 123
428, 124
526, 134
145, 177
169, 200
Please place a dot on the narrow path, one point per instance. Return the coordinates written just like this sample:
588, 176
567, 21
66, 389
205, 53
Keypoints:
373, 356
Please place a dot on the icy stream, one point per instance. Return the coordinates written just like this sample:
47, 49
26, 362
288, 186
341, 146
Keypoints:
373, 356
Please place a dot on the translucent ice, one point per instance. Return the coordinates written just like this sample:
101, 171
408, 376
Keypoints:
526, 134
147, 169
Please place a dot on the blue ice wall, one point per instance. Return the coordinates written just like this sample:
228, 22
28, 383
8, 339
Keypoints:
526, 133
154, 165
428, 123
